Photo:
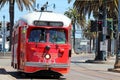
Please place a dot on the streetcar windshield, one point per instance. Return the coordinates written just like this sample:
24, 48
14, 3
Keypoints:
37, 35
40, 35
57, 36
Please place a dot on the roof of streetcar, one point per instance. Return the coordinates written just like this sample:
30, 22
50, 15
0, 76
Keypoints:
45, 16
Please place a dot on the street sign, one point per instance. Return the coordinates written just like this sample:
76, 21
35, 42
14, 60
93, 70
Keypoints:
103, 45
104, 30
83, 43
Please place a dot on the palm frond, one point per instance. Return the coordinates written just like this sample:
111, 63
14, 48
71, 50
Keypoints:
2, 3
69, 1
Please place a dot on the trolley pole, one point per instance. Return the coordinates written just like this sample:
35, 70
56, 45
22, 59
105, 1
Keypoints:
3, 35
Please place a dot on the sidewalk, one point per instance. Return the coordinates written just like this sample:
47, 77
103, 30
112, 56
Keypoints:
110, 61
6, 77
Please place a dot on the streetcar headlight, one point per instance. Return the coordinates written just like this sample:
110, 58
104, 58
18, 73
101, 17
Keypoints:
47, 56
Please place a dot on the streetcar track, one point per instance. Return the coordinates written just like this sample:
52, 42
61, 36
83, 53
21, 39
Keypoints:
15, 75
94, 73
77, 68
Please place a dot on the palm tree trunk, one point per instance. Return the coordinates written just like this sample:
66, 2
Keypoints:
99, 55
90, 45
11, 12
109, 48
117, 63
74, 36
94, 45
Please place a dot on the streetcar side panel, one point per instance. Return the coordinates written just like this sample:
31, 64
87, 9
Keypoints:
22, 51
15, 48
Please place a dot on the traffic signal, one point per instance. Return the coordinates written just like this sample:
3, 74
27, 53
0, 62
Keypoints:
101, 15
8, 26
108, 37
115, 34
110, 25
93, 27
110, 28
8, 38
99, 25
0, 25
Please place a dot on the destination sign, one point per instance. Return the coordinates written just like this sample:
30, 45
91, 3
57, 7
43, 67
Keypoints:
48, 23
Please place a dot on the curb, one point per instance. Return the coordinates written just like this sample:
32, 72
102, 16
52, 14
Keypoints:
5, 57
83, 54
114, 70
100, 62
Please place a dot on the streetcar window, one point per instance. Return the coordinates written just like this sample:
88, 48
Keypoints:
57, 36
37, 35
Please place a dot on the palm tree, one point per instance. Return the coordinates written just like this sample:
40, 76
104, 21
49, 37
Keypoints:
92, 6
21, 4
75, 17
69, 1
85, 26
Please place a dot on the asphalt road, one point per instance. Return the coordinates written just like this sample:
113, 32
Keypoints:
79, 70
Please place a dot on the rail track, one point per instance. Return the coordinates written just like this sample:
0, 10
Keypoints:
79, 71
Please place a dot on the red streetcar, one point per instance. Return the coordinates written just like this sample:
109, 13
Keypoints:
41, 42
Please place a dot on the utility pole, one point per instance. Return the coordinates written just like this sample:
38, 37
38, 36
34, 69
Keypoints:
101, 27
105, 29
